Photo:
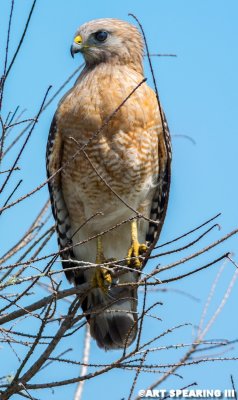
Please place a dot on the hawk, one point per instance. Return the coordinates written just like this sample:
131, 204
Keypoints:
108, 154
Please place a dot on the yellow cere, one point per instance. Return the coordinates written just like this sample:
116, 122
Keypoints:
78, 39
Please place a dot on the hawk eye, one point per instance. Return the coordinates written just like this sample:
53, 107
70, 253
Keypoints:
101, 36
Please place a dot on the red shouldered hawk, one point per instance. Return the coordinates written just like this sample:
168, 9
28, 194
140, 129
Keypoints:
122, 169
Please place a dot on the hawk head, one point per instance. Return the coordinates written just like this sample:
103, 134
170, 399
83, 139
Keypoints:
108, 40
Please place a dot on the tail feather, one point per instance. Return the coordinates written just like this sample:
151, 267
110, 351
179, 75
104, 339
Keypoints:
112, 315
113, 321
113, 331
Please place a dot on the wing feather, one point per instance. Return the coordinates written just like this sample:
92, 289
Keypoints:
53, 164
161, 197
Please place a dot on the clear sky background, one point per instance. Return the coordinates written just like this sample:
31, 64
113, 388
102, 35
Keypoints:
199, 93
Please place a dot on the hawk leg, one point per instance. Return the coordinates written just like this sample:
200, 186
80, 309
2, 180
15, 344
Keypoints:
102, 278
136, 249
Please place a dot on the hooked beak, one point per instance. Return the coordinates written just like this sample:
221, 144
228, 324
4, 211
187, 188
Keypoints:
75, 48
77, 45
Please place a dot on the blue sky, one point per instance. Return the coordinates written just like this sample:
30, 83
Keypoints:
199, 93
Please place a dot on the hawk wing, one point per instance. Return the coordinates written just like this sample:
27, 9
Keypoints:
161, 197
54, 152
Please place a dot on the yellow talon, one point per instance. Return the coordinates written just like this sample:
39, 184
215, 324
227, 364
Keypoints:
136, 248
102, 278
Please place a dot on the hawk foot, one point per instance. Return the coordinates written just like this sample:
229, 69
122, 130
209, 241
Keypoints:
102, 279
136, 249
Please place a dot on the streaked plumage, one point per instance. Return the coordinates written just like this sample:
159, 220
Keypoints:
130, 154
